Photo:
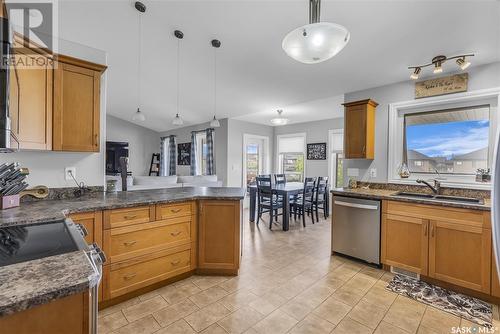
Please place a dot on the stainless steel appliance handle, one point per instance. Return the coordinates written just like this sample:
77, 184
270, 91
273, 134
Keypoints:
356, 205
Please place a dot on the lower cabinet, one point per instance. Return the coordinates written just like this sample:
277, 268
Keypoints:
447, 244
92, 221
495, 282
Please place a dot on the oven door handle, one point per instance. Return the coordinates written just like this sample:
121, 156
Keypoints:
356, 205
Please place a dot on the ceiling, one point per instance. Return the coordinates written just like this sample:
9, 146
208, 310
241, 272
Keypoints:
255, 77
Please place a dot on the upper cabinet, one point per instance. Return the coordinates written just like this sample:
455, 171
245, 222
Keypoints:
359, 129
76, 105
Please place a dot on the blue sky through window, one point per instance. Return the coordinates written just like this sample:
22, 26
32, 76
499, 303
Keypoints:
448, 139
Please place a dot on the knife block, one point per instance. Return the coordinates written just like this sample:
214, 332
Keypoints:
9, 201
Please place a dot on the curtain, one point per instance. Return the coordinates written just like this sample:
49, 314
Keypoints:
193, 153
172, 156
163, 156
210, 152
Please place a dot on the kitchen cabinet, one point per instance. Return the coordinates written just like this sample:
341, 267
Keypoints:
92, 221
405, 242
219, 233
359, 129
76, 120
495, 282
452, 245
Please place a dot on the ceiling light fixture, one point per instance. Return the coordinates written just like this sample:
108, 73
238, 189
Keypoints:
215, 44
438, 62
317, 41
138, 115
279, 120
177, 121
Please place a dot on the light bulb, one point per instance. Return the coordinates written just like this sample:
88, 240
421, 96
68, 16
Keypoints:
438, 68
415, 73
462, 63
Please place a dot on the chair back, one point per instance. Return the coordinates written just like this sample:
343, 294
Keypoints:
264, 187
321, 187
279, 179
309, 187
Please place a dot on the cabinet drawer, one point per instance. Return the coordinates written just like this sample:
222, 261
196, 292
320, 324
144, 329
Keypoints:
165, 211
128, 216
130, 241
129, 278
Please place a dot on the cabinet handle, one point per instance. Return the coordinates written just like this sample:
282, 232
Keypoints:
130, 243
175, 210
176, 233
129, 276
96, 139
175, 262
364, 149
130, 216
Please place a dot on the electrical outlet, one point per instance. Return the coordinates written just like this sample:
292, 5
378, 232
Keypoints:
68, 171
373, 172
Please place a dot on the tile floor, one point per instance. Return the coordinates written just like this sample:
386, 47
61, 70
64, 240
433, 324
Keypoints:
288, 283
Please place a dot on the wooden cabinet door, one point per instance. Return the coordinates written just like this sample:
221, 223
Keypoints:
460, 254
219, 236
405, 242
495, 282
355, 132
93, 223
76, 108
33, 122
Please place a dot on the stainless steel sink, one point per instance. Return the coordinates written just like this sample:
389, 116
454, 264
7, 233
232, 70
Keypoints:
443, 198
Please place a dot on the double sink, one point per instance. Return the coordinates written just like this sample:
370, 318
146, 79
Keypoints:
441, 198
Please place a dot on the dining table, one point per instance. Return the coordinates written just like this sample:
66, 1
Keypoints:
285, 190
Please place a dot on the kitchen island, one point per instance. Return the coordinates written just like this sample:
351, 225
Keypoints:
149, 237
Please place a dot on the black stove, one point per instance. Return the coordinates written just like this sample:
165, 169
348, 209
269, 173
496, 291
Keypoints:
30, 242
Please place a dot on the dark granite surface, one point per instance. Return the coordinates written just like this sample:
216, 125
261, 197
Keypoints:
388, 194
49, 210
28, 284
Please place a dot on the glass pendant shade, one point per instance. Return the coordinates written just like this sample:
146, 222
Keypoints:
139, 116
214, 123
177, 120
316, 42
279, 120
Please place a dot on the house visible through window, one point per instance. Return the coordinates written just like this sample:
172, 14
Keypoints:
451, 141
291, 156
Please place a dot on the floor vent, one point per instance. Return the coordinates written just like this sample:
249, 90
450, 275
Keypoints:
412, 275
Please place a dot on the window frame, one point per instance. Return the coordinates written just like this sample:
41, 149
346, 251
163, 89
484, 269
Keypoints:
278, 153
201, 168
396, 130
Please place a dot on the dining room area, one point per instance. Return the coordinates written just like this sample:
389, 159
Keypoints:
277, 202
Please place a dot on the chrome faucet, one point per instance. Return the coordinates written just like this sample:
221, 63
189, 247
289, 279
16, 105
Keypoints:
436, 189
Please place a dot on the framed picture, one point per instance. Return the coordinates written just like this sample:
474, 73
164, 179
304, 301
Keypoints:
316, 151
184, 154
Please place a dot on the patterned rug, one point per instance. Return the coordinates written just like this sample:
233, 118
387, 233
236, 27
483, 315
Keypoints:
458, 304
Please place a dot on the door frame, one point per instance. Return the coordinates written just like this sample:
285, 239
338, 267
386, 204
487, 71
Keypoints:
266, 165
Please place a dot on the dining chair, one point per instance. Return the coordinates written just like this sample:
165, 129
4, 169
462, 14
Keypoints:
279, 179
267, 200
304, 203
321, 197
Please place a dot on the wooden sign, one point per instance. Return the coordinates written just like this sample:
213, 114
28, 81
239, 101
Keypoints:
447, 85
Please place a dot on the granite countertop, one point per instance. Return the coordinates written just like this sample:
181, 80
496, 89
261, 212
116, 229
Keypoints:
50, 210
389, 195
28, 284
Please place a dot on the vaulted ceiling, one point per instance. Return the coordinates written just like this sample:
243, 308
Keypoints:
255, 77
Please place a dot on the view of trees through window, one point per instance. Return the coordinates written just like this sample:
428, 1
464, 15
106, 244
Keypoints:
292, 165
252, 162
448, 142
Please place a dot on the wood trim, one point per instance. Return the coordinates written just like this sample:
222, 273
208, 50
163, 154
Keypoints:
361, 102
80, 63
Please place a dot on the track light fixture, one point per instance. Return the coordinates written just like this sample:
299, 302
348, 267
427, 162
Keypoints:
438, 62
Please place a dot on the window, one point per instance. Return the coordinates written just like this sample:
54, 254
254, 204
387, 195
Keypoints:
252, 163
336, 157
453, 141
201, 153
291, 156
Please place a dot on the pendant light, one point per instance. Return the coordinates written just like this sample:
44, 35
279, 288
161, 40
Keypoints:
138, 115
177, 121
317, 41
215, 44
280, 120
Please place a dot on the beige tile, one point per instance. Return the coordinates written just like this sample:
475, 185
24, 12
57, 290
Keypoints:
296, 309
349, 326
290, 289
360, 282
205, 282
332, 310
178, 293
427, 330
112, 321
437, 319
405, 314
267, 303
315, 295
313, 325
387, 328
214, 329
330, 282
238, 299
175, 312
380, 297
277, 322
372, 272
145, 325
475, 328
144, 308
241, 320
237, 283
208, 296
207, 316
178, 327
149, 295
367, 314
347, 295
118, 307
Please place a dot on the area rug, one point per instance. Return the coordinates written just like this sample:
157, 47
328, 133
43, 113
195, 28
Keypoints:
455, 303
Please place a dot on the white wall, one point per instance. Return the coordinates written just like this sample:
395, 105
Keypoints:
480, 77
47, 168
142, 142
316, 132
184, 136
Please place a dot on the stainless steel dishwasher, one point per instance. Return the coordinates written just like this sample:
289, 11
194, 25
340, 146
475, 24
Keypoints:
356, 228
